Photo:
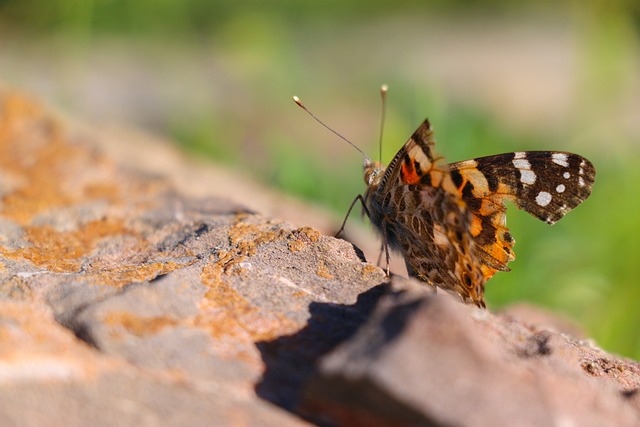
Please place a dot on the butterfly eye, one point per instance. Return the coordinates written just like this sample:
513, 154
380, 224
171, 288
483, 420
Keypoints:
374, 176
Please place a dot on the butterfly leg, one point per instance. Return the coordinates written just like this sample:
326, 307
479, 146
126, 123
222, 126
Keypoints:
385, 245
380, 254
358, 198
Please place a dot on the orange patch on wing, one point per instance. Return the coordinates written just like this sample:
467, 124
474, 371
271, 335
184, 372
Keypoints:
496, 251
476, 225
409, 174
487, 272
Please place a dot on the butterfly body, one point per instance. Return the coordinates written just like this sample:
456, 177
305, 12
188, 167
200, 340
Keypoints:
449, 221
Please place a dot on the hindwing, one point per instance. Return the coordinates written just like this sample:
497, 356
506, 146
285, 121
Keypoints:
417, 208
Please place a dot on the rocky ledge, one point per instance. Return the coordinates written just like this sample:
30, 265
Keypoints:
124, 300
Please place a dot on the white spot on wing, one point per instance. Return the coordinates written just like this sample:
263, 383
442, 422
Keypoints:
543, 198
566, 175
581, 182
581, 171
521, 163
439, 238
527, 177
560, 188
560, 159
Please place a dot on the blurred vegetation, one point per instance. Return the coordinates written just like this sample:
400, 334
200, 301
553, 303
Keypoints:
217, 76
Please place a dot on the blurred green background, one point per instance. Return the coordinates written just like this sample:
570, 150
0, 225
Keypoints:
493, 76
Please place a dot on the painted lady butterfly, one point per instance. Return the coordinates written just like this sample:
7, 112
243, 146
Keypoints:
449, 221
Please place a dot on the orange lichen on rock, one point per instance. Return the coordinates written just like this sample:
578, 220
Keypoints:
247, 237
62, 251
296, 245
45, 172
220, 294
38, 160
139, 325
311, 234
370, 269
323, 271
225, 312
126, 274
302, 237
104, 191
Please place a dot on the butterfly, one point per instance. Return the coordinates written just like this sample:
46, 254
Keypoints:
449, 220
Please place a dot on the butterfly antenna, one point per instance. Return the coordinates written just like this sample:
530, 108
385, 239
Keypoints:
383, 98
301, 105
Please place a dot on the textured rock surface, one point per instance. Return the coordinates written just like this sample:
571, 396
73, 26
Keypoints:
127, 298
125, 303
429, 360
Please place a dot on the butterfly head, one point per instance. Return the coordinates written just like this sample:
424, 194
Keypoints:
373, 172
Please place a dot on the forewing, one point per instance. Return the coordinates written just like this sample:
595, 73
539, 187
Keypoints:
547, 184
417, 164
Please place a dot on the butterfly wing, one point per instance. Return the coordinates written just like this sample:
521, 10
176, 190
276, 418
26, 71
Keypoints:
418, 209
546, 184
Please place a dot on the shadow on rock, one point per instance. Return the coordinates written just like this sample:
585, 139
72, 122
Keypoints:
291, 360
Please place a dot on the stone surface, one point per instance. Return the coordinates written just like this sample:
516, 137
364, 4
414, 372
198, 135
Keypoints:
423, 360
125, 302
132, 297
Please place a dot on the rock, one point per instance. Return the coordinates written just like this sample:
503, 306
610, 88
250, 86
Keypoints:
126, 302
532, 315
133, 297
429, 360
